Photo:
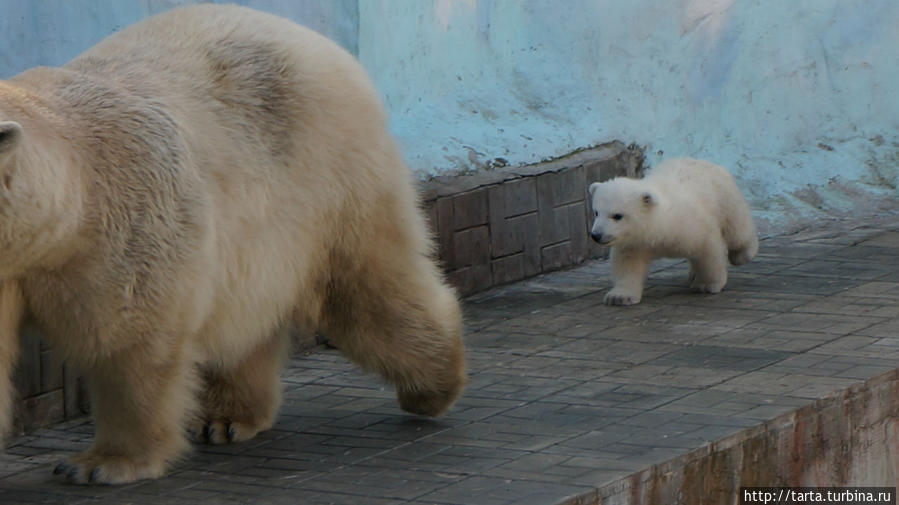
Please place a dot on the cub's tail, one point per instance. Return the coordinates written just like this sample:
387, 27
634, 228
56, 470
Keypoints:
742, 239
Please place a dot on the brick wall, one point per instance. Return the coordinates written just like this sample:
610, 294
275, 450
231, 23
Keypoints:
507, 224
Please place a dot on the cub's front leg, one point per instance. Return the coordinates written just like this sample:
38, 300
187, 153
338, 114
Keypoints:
141, 398
629, 268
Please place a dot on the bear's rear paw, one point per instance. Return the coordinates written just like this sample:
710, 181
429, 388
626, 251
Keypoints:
429, 403
222, 432
90, 468
616, 297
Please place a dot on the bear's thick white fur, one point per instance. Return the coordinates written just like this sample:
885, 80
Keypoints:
174, 196
684, 208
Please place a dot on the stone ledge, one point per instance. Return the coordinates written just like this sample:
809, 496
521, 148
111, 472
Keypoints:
503, 225
845, 439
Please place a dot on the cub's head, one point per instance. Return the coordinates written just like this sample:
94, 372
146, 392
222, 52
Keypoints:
622, 211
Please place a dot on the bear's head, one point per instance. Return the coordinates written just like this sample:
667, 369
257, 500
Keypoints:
622, 211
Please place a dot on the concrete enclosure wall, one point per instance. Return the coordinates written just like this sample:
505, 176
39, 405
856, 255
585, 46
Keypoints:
797, 98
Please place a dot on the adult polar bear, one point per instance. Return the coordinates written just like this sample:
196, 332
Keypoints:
175, 194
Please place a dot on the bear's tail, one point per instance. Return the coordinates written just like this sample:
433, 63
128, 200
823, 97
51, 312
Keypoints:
12, 309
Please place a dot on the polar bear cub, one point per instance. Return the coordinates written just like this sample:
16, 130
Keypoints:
685, 208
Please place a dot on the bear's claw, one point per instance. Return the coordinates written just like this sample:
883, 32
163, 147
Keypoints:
223, 432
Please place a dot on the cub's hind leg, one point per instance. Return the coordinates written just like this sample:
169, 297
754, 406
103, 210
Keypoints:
241, 400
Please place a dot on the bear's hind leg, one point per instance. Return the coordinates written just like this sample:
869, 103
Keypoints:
399, 319
238, 402
708, 270
140, 403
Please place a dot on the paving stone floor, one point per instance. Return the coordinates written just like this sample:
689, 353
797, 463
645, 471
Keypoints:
566, 394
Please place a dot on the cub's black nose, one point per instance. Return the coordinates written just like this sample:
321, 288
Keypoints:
597, 237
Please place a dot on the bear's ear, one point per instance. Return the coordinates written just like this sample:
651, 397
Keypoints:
649, 199
10, 135
592, 188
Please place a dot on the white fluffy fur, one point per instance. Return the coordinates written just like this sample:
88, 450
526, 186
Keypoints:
175, 195
685, 208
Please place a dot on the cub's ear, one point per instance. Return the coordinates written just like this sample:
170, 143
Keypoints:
649, 199
592, 188
10, 135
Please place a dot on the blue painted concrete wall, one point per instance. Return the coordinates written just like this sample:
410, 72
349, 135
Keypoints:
51, 32
798, 98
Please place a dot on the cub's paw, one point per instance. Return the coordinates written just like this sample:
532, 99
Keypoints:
740, 256
619, 297
222, 432
708, 287
91, 468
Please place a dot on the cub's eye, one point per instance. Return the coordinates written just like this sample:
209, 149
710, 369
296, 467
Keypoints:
617, 217
596, 213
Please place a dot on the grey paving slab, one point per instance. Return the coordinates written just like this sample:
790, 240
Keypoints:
566, 394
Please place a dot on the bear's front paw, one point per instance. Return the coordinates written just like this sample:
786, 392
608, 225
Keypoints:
616, 297
90, 468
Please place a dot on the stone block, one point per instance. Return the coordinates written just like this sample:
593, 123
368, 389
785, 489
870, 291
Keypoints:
578, 232
553, 225
508, 268
443, 208
470, 209
556, 256
472, 246
520, 197
51, 371
509, 236
41, 410
28, 371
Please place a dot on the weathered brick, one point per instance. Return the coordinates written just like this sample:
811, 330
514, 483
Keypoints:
508, 268
444, 231
520, 196
509, 236
42, 409
462, 279
553, 225
51, 371
578, 232
471, 246
482, 277
532, 254
28, 372
559, 188
74, 397
470, 209
556, 256
429, 208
